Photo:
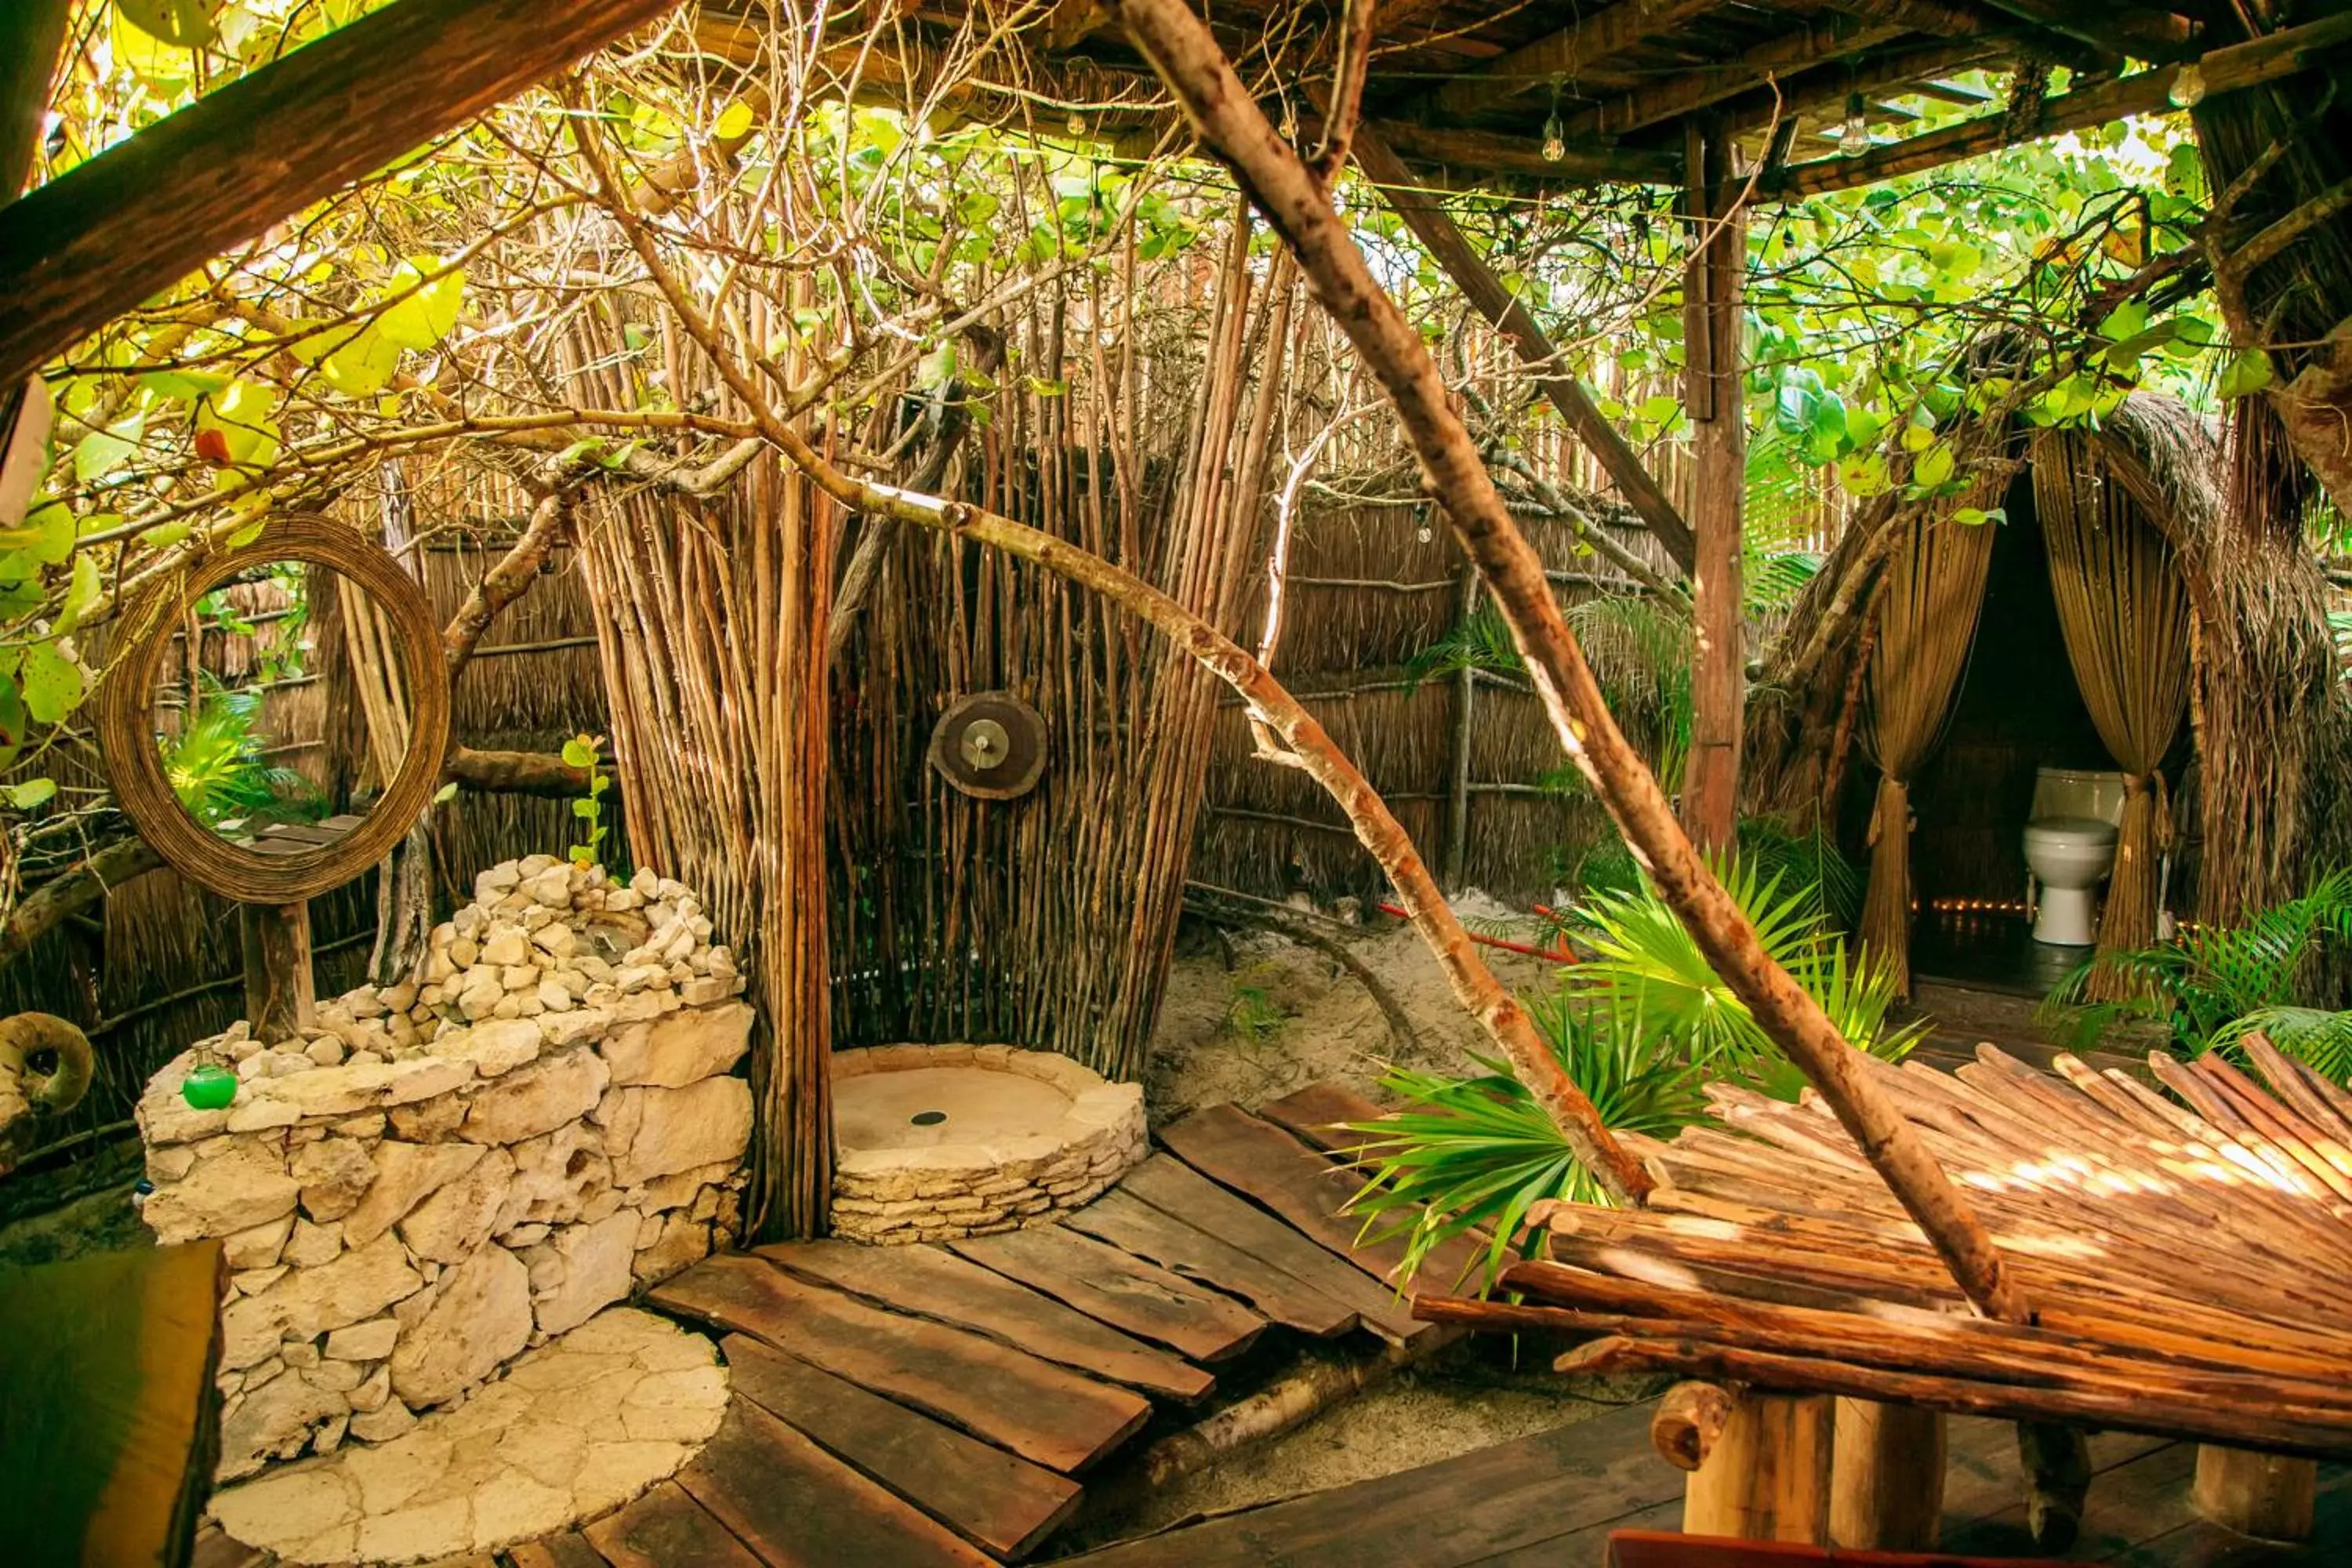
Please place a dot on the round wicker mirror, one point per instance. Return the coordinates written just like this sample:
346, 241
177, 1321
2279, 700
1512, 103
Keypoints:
126, 723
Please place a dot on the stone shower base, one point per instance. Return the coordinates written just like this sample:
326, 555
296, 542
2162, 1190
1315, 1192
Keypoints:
939, 1141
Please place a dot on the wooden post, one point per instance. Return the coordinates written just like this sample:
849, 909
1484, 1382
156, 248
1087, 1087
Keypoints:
2262, 1495
279, 998
1466, 698
1887, 1477
1768, 1476
1713, 403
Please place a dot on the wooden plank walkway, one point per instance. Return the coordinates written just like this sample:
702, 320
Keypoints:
947, 1403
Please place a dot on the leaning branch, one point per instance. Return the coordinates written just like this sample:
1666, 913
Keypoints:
1309, 748
1229, 121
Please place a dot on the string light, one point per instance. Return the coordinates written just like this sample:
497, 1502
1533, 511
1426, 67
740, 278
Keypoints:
1077, 123
1856, 137
1555, 142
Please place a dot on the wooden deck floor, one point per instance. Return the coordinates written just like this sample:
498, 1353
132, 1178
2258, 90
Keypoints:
1551, 1500
951, 1404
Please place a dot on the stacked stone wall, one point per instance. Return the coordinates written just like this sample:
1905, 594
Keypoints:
443, 1174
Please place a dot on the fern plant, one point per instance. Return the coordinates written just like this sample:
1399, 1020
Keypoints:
2215, 985
1639, 1027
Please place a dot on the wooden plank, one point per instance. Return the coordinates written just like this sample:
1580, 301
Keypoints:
1123, 1290
1126, 1221
1227, 1144
666, 1528
566, 1549
1169, 1185
992, 1499
1439, 1516
1596, 35
798, 1507
1318, 1115
1038, 1410
932, 1283
2134, 1501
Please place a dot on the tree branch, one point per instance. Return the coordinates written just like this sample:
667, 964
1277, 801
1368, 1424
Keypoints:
1229, 121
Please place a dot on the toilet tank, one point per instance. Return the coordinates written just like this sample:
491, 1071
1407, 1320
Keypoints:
2065, 792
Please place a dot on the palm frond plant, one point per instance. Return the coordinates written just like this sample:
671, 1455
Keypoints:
1642, 955
218, 769
1639, 1026
1474, 1153
2215, 985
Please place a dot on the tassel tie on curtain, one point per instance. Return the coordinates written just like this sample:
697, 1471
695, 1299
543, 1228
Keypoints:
2130, 917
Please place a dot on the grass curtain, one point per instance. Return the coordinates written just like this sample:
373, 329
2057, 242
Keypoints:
2125, 613
1926, 603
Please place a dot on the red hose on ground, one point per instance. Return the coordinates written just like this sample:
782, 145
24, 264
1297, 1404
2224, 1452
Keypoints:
1559, 955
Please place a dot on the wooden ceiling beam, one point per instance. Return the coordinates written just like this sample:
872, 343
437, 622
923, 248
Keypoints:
146, 212
1565, 53
1941, 18
1833, 39
2118, 32
1824, 90
1486, 150
2241, 66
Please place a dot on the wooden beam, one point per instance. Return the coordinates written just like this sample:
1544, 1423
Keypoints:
2232, 69
1940, 17
1487, 152
1565, 53
1478, 283
2119, 31
143, 214
1712, 387
1831, 38
1826, 90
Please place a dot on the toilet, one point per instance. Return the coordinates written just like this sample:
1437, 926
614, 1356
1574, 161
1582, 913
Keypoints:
2070, 844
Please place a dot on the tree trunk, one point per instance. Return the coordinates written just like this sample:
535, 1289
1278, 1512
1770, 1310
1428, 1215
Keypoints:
1768, 1477
1886, 1480
1713, 400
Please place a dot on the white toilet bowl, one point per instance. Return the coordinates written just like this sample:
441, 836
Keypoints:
2070, 844
2071, 855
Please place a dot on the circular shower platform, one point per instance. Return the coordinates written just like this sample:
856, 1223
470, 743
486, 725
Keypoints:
949, 1140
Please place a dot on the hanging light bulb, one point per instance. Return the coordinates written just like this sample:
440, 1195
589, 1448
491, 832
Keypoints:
1555, 142
1855, 136
1077, 123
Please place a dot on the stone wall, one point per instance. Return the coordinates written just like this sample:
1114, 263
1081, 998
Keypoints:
441, 1175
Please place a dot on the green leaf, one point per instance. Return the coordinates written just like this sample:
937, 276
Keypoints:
52, 683
364, 366
1864, 477
101, 451
2249, 372
429, 312
183, 24
11, 722
2129, 320
446, 794
81, 593
578, 754
31, 793
1933, 467
585, 808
